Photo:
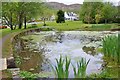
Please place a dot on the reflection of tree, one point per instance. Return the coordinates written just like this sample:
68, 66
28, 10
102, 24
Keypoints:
31, 59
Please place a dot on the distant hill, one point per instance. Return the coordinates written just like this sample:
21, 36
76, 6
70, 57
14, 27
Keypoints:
58, 6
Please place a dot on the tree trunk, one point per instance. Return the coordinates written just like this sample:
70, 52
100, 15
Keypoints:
11, 26
105, 21
44, 22
25, 22
20, 21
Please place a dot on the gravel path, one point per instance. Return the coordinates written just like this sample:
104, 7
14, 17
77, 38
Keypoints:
2, 41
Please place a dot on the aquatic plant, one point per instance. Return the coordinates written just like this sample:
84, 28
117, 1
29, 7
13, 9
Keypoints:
62, 68
18, 60
80, 70
28, 75
59, 69
110, 47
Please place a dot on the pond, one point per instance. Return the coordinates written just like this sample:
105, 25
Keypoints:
36, 52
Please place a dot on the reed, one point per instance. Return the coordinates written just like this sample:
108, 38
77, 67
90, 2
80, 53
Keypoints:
61, 70
110, 47
80, 70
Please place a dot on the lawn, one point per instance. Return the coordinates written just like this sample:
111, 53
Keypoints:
79, 25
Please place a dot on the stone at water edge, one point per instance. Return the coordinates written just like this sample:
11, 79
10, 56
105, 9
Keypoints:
11, 62
3, 64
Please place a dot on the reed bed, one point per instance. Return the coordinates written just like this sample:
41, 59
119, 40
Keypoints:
111, 47
62, 68
80, 70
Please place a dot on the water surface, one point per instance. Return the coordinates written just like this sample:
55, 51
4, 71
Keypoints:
42, 48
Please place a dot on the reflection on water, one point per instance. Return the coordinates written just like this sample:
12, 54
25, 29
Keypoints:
39, 50
89, 50
30, 58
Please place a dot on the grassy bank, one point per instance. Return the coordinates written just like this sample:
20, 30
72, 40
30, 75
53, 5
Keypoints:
79, 25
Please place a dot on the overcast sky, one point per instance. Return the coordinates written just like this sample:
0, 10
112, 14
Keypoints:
76, 1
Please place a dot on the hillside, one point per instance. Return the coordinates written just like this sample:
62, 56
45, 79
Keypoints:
58, 6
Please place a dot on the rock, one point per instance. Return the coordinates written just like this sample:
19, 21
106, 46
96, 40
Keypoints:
3, 64
27, 58
89, 52
11, 62
15, 73
32, 69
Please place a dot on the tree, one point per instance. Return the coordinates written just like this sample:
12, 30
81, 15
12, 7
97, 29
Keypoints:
15, 13
108, 11
31, 10
60, 18
46, 13
89, 10
97, 18
9, 13
27, 10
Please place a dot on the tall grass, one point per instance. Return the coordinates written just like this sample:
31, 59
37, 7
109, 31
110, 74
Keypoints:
62, 68
80, 70
110, 47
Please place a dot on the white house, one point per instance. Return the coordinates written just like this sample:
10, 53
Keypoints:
70, 16
52, 18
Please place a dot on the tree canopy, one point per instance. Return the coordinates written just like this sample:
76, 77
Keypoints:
15, 13
95, 12
60, 18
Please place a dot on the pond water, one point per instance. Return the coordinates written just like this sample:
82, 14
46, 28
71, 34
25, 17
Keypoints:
39, 50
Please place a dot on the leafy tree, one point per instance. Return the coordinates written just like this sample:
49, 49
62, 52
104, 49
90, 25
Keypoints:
60, 18
9, 13
31, 9
108, 11
97, 18
15, 13
89, 10
46, 13
92, 12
